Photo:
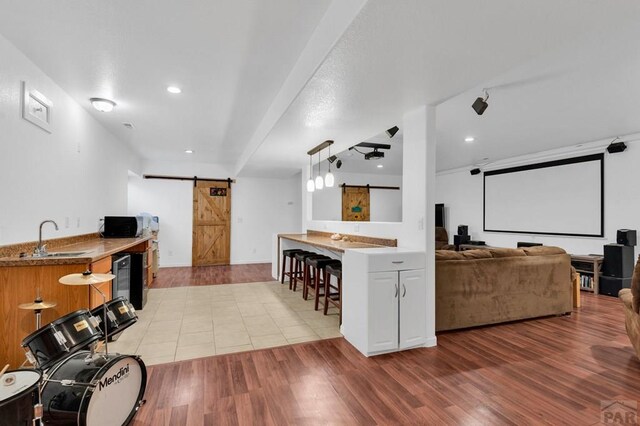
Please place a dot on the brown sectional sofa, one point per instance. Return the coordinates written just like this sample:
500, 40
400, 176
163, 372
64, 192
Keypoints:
489, 286
631, 301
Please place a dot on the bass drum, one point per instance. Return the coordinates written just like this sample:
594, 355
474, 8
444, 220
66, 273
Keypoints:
106, 390
18, 397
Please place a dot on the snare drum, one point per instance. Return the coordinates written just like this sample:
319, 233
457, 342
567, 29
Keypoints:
18, 397
105, 390
120, 315
54, 341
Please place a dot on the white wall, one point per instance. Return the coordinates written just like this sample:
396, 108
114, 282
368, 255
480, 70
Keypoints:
462, 195
385, 204
259, 208
79, 171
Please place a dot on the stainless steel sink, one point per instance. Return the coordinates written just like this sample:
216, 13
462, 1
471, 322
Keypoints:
65, 254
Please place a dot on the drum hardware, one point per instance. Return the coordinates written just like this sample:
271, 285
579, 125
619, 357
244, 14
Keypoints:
87, 278
37, 306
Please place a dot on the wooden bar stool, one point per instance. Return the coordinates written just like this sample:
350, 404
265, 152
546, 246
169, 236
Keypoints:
288, 254
335, 297
300, 268
317, 284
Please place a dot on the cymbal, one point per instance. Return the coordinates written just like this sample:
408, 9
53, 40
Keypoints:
36, 306
85, 279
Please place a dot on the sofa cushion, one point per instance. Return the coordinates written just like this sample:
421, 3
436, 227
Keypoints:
476, 254
448, 255
506, 252
543, 250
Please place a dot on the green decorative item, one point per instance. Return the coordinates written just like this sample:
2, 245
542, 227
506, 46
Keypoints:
356, 209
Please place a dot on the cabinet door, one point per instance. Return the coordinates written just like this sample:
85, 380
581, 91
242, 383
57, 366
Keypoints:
413, 304
383, 311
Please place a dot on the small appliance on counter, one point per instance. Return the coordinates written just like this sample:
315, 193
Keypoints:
122, 226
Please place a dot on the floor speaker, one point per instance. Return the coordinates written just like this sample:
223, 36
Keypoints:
611, 286
618, 261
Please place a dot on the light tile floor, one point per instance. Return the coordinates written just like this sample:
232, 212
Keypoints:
193, 322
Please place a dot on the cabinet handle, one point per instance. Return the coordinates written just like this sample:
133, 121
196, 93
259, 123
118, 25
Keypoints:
397, 262
404, 290
396, 295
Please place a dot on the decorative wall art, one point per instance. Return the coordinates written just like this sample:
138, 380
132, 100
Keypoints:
36, 108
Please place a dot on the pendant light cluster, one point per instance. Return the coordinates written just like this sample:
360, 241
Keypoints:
319, 181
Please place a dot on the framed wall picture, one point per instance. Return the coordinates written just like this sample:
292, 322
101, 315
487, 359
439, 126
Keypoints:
36, 108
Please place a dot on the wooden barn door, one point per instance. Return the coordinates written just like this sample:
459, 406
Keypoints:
211, 223
355, 204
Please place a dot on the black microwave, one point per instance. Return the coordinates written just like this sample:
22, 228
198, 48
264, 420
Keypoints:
122, 226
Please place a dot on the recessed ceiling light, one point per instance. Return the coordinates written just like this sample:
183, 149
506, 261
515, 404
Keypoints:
174, 89
102, 105
188, 151
469, 139
380, 166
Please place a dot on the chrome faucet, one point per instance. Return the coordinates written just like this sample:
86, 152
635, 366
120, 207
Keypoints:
41, 249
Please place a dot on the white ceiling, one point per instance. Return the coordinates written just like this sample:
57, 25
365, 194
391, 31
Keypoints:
229, 57
562, 73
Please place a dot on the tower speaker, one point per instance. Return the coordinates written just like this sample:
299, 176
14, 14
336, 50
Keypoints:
618, 261
611, 286
463, 230
626, 237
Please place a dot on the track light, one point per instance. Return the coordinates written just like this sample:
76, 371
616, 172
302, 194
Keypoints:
475, 171
615, 147
480, 104
392, 131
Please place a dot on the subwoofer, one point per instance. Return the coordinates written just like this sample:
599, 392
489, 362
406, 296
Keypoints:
461, 239
618, 261
611, 286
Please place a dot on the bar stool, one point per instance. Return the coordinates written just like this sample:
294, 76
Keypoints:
318, 264
334, 298
300, 269
309, 273
288, 254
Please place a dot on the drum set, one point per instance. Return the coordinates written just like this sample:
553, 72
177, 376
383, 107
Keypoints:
74, 382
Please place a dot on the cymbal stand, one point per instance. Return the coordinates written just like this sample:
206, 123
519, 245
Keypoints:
104, 318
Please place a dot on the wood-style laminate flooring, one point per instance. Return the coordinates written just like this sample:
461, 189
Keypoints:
211, 275
553, 370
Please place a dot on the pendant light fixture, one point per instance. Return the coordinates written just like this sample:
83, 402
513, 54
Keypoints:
319, 180
310, 185
328, 179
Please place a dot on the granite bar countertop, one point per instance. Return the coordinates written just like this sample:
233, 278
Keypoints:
326, 242
92, 250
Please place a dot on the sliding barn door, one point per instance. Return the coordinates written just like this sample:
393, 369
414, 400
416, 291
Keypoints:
211, 223
355, 204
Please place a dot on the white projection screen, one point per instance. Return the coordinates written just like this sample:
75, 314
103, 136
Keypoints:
563, 197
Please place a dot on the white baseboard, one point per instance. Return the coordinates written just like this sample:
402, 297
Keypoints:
431, 342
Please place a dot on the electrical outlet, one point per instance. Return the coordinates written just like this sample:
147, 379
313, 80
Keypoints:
240, 219
356, 228
66, 221
253, 251
421, 224
170, 253
78, 223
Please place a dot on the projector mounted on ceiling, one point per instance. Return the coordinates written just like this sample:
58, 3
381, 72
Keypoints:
372, 155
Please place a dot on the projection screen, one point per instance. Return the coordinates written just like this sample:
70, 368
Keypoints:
563, 197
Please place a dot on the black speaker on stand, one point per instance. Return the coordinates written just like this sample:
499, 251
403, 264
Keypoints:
617, 268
